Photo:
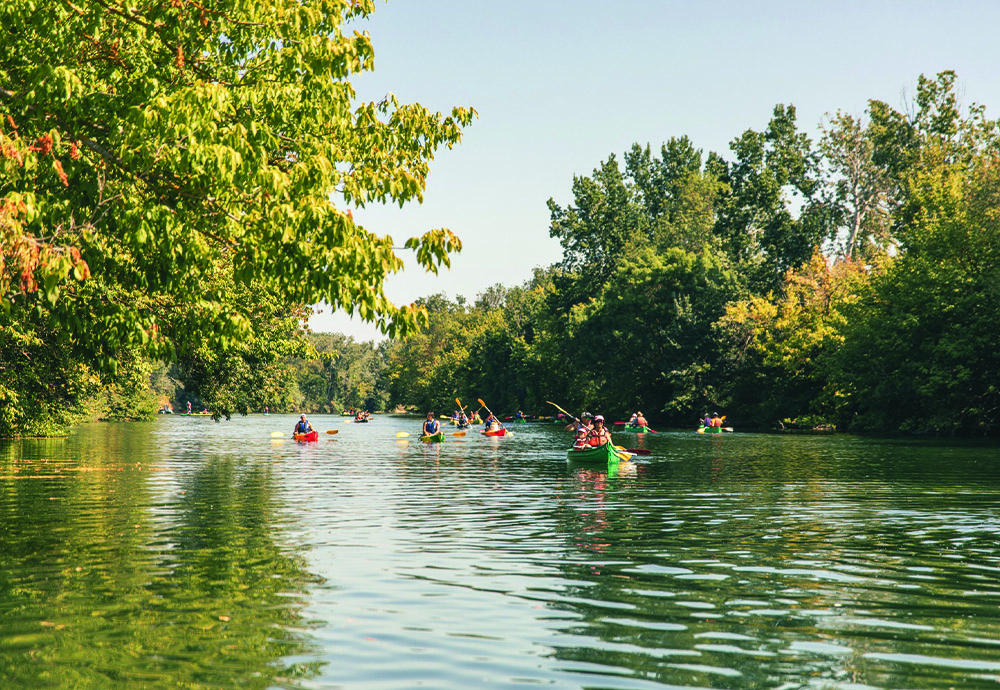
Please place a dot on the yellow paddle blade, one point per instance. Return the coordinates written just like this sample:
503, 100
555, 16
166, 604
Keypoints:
278, 434
402, 434
459, 433
333, 431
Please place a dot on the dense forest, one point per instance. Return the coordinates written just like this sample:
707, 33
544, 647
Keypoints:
850, 281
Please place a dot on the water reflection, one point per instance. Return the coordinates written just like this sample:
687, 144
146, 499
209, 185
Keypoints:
214, 556
123, 567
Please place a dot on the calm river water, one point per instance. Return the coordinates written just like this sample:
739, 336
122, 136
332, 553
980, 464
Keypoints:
185, 553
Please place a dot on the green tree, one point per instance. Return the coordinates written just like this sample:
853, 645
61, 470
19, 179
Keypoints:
861, 189
143, 147
920, 350
756, 217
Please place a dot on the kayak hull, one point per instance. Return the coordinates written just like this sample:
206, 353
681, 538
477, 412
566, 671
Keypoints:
710, 430
495, 432
433, 438
592, 455
311, 436
635, 429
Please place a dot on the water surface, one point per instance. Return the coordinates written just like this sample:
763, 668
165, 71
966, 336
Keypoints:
189, 553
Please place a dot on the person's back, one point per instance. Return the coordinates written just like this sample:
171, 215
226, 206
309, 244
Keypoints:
640, 420
716, 421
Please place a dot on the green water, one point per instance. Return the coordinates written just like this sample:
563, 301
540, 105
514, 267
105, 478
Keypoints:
185, 553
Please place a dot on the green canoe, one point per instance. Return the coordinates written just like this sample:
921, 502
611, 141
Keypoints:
593, 454
710, 430
635, 429
433, 438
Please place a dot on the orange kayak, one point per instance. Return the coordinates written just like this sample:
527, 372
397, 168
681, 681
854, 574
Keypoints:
311, 436
495, 432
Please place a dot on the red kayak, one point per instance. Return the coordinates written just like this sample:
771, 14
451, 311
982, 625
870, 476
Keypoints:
496, 432
311, 436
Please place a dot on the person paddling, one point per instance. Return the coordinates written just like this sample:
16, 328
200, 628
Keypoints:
431, 425
303, 426
583, 429
716, 421
599, 435
640, 420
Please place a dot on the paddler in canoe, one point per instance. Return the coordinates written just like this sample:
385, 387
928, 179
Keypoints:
431, 425
302, 426
583, 428
596, 436
491, 423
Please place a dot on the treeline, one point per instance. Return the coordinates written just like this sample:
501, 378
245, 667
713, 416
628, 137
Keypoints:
851, 281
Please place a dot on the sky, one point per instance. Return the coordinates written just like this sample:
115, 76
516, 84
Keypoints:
560, 85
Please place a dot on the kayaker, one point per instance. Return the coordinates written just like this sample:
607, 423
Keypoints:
303, 426
519, 415
633, 420
189, 407
640, 420
715, 421
492, 423
707, 421
431, 426
583, 429
599, 435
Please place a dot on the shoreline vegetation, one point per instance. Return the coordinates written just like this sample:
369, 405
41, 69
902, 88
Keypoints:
163, 224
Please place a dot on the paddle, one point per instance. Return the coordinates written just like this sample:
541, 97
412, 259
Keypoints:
333, 431
402, 434
635, 451
277, 434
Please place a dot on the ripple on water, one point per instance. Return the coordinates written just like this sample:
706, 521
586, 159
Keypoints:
208, 553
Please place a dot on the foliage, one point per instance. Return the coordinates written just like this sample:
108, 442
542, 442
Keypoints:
921, 352
144, 147
779, 347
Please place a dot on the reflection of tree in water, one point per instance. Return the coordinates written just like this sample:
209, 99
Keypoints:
103, 585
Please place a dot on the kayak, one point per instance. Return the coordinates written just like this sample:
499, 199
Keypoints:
311, 436
520, 421
194, 414
433, 438
605, 454
710, 430
635, 429
361, 421
495, 432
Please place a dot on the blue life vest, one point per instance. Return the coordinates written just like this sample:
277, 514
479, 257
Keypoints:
302, 427
431, 427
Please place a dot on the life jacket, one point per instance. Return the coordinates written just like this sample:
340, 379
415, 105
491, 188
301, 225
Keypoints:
302, 427
716, 422
431, 427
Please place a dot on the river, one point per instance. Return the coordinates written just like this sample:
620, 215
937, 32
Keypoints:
188, 553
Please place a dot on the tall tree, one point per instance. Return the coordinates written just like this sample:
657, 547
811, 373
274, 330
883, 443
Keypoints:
143, 147
861, 188
759, 224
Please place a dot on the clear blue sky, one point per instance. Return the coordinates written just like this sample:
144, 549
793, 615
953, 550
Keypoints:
561, 84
